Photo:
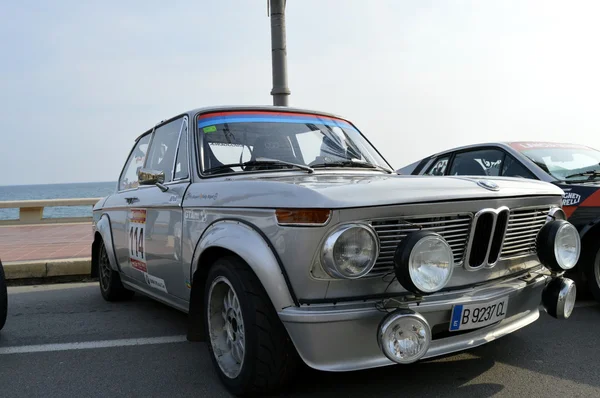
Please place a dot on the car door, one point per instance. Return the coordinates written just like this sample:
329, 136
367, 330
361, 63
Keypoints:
118, 206
155, 224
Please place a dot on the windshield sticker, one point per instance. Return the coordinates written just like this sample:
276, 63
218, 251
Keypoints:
209, 129
210, 119
136, 237
522, 146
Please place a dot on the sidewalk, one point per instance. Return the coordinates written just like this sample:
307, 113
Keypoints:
45, 242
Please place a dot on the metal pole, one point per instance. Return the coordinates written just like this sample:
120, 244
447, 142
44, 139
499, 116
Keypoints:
280, 91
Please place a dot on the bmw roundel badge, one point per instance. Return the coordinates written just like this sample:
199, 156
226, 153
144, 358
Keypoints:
492, 186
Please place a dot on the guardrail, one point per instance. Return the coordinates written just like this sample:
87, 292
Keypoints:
32, 211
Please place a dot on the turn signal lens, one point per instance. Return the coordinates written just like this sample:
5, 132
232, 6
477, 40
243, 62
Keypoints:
302, 216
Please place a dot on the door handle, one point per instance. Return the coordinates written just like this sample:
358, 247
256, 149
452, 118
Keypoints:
131, 199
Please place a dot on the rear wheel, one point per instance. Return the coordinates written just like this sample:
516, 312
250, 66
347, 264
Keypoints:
3, 297
111, 287
249, 346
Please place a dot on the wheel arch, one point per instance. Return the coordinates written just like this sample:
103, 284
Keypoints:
241, 239
103, 233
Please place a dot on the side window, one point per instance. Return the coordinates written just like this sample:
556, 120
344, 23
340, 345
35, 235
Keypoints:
129, 178
181, 164
513, 168
483, 162
439, 167
164, 148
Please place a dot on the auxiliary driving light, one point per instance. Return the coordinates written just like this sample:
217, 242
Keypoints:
558, 298
404, 336
423, 262
558, 245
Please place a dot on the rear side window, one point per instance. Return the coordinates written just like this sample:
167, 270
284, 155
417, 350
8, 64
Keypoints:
482, 162
439, 167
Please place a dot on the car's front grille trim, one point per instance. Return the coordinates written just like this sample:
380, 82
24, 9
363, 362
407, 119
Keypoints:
518, 239
523, 227
454, 228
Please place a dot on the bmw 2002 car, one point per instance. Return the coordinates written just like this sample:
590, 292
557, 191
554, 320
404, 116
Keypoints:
287, 238
574, 168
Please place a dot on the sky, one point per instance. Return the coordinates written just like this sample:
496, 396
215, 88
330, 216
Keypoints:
79, 81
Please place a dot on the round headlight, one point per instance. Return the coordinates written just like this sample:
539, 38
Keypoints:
558, 245
424, 262
350, 251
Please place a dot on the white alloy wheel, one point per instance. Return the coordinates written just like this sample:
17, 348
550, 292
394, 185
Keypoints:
226, 327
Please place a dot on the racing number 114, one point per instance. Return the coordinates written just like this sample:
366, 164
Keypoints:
136, 242
137, 247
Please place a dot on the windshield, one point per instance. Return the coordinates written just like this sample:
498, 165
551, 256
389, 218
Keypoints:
564, 161
231, 139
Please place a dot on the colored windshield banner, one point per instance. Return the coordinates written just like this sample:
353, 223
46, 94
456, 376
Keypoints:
211, 119
524, 146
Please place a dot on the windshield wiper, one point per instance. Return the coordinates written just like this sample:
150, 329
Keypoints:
257, 162
350, 163
590, 173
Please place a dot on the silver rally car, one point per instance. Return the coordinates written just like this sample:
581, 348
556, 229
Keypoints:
286, 237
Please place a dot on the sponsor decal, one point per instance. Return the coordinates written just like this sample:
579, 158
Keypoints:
188, 284
213, 196
194, 215
156, 282
571, 199
209, 129
136, 238
534, 145
137, 247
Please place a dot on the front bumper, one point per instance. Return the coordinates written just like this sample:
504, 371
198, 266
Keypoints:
343, 337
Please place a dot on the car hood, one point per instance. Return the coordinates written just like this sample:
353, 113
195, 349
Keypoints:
354, 190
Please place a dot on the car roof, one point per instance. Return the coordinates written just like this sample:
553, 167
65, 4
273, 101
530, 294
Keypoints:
224, 108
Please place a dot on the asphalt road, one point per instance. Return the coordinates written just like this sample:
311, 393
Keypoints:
64, 340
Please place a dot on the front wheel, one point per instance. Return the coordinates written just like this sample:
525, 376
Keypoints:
592, 272
3, 297
248, 344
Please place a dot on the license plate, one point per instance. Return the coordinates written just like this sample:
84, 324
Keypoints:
471, 316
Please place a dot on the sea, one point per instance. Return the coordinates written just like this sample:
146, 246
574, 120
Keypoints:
55, 191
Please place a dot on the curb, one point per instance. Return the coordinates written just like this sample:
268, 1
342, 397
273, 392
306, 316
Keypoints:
47, 268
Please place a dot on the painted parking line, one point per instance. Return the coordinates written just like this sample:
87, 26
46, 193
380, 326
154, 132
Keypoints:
92, 344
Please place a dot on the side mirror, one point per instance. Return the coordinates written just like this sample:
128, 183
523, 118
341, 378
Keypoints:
150, 177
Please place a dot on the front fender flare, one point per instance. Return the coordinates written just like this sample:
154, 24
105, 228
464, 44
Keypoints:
250, 244
103, 227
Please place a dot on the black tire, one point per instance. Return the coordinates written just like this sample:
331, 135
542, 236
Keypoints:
111, 287
270, 358
591, 270
3, 297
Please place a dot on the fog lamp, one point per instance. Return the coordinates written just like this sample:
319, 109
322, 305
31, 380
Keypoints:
558, 297
404, 336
